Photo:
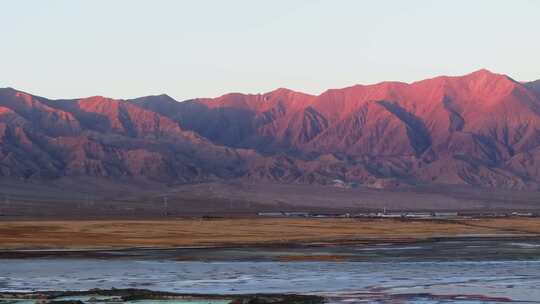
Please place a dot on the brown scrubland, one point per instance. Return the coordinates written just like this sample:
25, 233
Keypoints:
118, 234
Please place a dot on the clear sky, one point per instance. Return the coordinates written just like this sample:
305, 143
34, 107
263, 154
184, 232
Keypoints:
202, 48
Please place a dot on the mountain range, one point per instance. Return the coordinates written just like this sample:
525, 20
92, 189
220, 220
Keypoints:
480, 129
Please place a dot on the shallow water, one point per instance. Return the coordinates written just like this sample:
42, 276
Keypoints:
394, 270
517, 280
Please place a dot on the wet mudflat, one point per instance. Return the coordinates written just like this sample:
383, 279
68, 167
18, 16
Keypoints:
470, 248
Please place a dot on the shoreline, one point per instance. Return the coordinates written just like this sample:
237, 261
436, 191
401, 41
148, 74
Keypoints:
299, 244
433, 249
140, 295
129, 295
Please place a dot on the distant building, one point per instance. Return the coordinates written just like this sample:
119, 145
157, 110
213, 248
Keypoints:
418, 215
271, 214
297, 214
390, 215
446, 214
523, 214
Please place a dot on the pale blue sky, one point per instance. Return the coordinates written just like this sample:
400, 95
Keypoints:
202, 48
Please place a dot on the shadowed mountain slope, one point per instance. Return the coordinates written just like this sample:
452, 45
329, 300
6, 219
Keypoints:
102, 137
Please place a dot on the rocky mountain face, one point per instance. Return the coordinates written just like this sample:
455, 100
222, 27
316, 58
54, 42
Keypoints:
102, 137
480, 129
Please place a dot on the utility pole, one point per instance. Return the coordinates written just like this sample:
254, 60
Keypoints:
165, 205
